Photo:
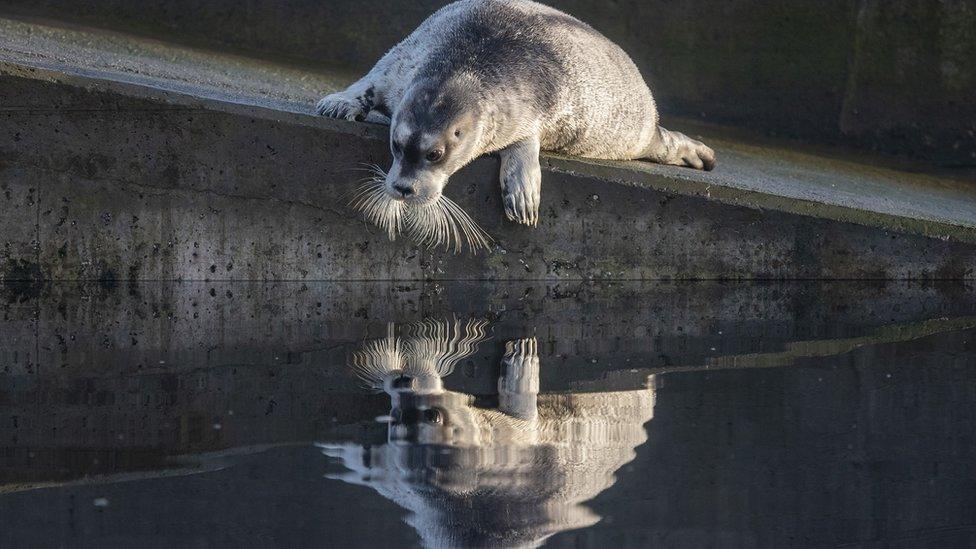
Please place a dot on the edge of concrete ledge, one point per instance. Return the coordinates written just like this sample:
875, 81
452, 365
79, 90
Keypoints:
632, 173
696, 184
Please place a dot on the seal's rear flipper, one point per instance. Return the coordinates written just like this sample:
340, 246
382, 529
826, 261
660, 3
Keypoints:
677, 149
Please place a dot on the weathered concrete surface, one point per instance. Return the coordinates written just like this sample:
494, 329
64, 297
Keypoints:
109, 180
203, 73
871, 444
890, 75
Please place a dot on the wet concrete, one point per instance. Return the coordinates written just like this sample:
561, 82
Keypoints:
185, 413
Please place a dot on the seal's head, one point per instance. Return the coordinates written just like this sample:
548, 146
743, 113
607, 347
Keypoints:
436, 132
438, 128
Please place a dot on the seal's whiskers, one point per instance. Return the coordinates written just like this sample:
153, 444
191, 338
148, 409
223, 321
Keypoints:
429, 348
442, 344
476, 236
435, 223
378, 358
430, 225
378, 207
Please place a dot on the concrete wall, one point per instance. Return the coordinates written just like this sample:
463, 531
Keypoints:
105, 181
894, 76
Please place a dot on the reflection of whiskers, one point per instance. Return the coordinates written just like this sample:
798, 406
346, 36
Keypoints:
431, 348
434, 223
378, 358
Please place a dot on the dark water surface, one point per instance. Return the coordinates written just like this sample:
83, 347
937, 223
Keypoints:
516, 414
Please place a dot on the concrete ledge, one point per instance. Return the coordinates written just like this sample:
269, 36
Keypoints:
110, 174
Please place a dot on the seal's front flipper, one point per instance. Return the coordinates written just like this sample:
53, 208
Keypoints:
354, 103
521, 179
518, 387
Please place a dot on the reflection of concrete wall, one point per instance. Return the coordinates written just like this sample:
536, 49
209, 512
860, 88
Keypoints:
108, 186
172, 328
160, 364
890, 75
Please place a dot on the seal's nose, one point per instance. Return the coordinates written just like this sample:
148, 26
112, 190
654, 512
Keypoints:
404, 190
402, 382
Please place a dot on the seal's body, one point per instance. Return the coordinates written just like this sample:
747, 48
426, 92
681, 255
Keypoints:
512, 76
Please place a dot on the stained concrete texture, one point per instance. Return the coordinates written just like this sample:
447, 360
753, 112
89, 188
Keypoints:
890, 75
132, 159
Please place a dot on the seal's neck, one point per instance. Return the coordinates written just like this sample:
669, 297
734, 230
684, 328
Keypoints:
509, 118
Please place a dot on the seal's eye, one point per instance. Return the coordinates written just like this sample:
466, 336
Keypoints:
457, 133
435, 155
433, 415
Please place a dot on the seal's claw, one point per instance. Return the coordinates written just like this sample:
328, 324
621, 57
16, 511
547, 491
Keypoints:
511, 207
707, 157
700, 157
518, 351
521, 208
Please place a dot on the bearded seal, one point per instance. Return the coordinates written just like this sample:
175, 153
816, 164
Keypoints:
507, 76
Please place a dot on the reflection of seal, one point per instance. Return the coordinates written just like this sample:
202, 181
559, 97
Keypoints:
512, 76
509, 475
